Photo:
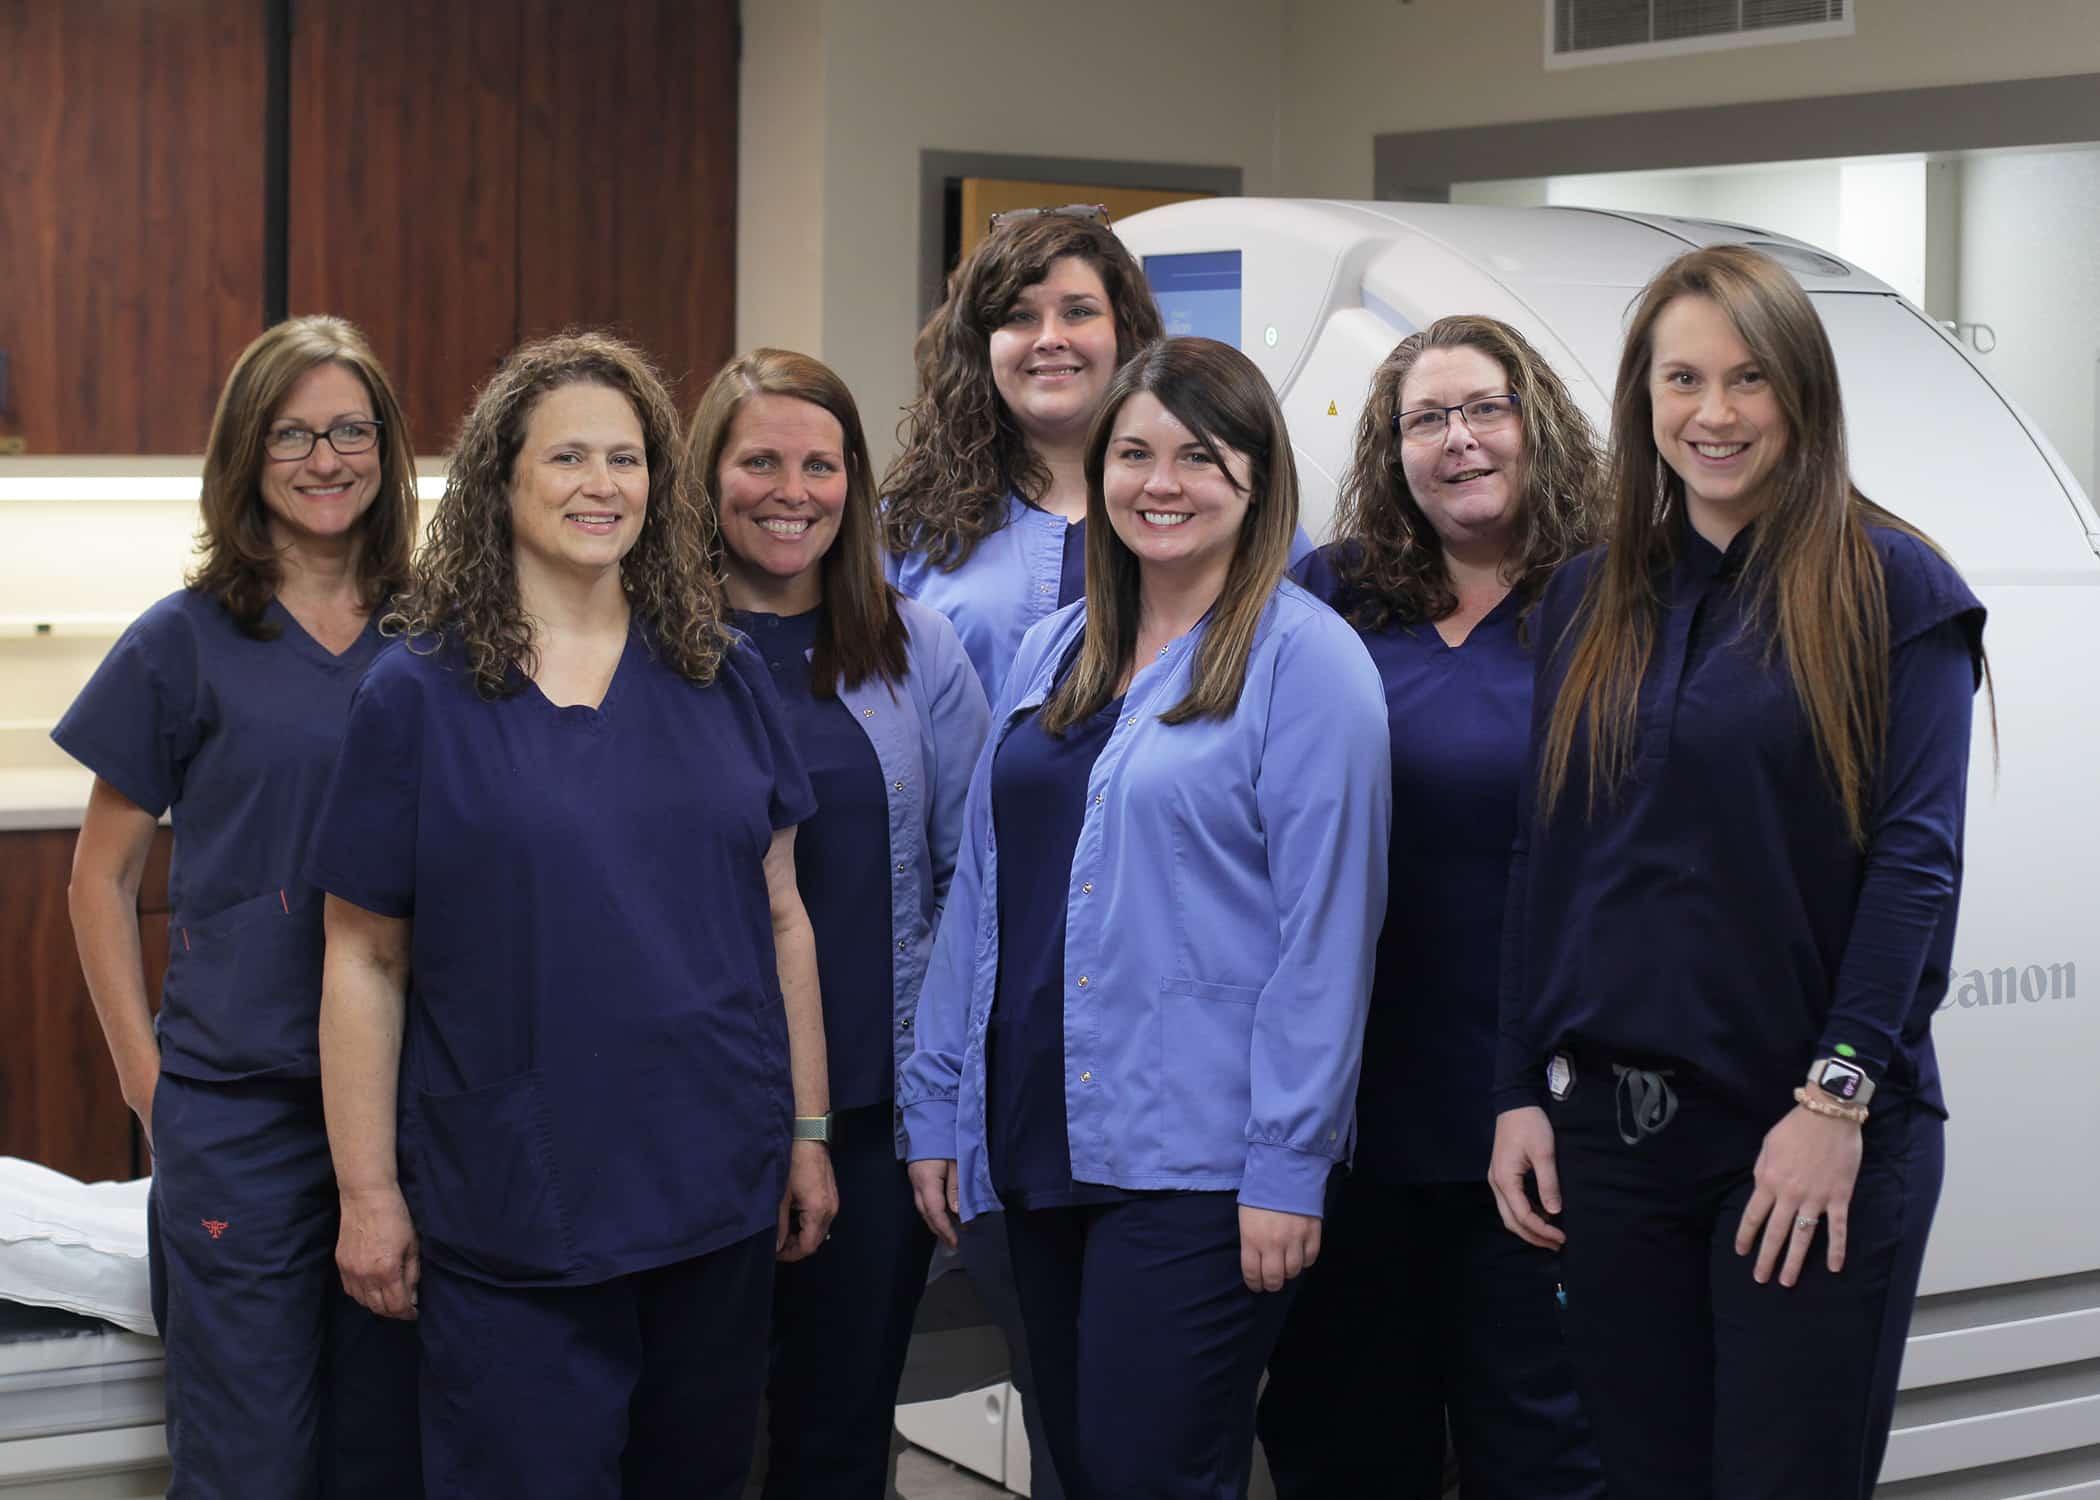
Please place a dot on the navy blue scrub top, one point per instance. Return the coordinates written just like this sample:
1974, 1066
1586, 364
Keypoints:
235, 738
1458, 717
1071, 577
594, 1072
1038, 807
841, 863
1714, 913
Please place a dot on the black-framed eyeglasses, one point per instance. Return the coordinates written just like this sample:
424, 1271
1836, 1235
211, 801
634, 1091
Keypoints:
1427, 424
1095, 212
287, 444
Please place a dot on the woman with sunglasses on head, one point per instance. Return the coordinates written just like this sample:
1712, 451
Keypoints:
223, 707
887, 716
1735, 913
1474, 478
570, 1026
1140, 1030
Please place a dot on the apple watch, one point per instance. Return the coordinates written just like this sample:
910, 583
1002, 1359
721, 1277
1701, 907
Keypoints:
1843, 1081
812, 1128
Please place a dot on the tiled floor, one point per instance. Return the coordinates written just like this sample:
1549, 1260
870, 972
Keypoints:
921, 1476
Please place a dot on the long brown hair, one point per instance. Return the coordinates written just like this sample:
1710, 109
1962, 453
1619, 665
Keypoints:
1811, 570
237, 562
862, 635
465, 582
1225, 401
1390, 563
963, 451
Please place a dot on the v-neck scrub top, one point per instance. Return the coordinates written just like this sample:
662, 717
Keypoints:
234, 737
1222, 908
1714, 912
594, 1073
1457, 718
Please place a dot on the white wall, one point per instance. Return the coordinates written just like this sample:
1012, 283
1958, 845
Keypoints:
2030, 222
1355, 69
828, 243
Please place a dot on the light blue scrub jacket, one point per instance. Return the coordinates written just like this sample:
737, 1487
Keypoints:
1009, 583
1222, 920
926, 736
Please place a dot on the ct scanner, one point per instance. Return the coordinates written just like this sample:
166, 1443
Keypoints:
2001, 1382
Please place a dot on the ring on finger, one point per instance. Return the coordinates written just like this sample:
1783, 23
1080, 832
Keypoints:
1804, 1223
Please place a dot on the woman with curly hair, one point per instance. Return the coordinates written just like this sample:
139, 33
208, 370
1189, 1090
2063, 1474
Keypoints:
559, 857
888, 717
1739, 870
986, 517
1474, 478
222, 706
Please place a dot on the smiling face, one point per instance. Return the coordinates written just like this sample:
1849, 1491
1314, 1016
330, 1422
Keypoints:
1167, 498
782, 487
326, 493
580, 485
1467, 482
1718, 423
1053, 355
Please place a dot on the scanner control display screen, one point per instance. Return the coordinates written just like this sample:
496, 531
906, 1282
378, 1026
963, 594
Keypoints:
1198, 293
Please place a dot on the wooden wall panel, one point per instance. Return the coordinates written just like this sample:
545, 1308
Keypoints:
627, 177
403, 202
59, 1100
131, 195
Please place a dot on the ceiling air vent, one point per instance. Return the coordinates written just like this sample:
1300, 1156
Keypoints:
1579, 32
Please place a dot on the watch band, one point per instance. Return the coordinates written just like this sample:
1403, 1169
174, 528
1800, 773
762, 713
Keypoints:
812, 1128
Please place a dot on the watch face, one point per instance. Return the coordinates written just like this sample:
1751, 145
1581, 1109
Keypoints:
1560, 1075
1840, 1080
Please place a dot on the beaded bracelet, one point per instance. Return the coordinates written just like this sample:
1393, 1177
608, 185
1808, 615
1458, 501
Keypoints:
1816, 1102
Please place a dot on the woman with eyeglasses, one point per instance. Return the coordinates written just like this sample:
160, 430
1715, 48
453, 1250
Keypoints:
1474, 478
1739, 868
222, 707
887, 715
1140, 1030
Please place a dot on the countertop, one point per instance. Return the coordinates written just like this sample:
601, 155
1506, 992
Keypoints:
43, 798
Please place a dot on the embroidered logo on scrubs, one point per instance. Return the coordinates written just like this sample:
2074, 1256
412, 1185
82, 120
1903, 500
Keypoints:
1560, 1075
215, 1227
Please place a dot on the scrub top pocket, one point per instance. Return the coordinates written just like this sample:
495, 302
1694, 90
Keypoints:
243, 990
1207, 1031
478, 1173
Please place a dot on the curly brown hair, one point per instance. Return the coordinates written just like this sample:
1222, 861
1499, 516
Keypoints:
237, 561
1389, 563
464, 588
963, 452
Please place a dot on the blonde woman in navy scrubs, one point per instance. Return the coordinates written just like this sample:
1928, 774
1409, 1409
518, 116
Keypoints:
1141, 1028
1475, 477
887, 717
1735, 909
559, 857
223, 706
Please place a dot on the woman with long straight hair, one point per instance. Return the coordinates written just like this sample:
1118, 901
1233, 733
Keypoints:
887, 716
1735, 911
1474, 479
223, 706
1139, 1034
570, 1027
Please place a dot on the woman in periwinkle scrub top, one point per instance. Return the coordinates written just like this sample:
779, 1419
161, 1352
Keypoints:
562, 918
887, 716
1734, 913
223, 706
1475, 477
1140, 1031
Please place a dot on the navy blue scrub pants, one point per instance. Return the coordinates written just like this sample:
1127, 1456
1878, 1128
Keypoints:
1147, 1346
277, 1383
1421, 1304
842, 1324
645, 1387
1699, 1383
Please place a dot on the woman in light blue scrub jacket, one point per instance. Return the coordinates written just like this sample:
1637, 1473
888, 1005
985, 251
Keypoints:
1141, 1028
887, 717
